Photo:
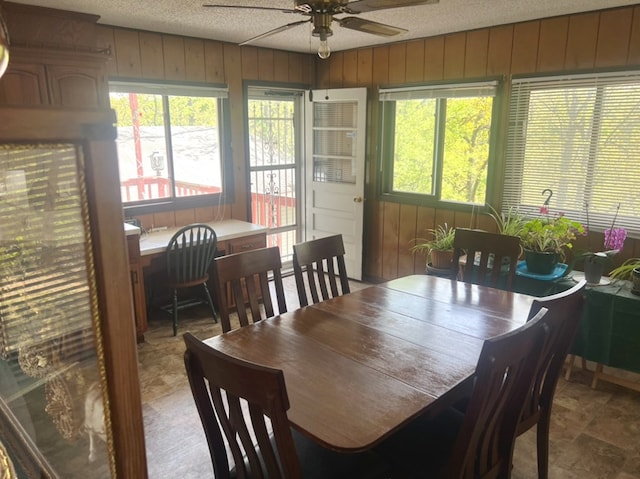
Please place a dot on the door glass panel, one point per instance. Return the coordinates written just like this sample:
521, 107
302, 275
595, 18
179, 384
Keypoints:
273, 170
51, 410
334, 142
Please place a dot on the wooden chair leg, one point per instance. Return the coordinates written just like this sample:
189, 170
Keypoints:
596, 374
570, 359
175, 312
542, 437
210, 301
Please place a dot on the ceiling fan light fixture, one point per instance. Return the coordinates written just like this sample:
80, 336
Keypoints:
323, 50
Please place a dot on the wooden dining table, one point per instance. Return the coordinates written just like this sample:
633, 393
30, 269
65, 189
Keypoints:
359, 366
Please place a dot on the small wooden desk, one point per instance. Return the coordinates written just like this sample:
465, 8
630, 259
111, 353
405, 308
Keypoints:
359, 366
233, 236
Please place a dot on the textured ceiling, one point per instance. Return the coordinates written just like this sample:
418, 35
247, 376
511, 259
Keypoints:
188, 17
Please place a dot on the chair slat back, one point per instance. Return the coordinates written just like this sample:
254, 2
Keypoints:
563, 319
503, 378
190, 253
315, 272
246, 275
496, 256
233, 397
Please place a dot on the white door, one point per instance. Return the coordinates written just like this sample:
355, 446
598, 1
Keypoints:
334, 169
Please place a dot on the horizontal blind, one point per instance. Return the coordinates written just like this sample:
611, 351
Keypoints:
212, 91
460, 90
45, 301
580, 137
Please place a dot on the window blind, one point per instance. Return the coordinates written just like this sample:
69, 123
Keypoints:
579, 136
212, 91
460, 90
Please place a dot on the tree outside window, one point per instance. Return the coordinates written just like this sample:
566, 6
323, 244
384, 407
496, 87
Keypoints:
579, 136
437, 142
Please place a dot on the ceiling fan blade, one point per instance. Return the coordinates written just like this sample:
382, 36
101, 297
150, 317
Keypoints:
274, 31
284, 10
360, 6
367, 26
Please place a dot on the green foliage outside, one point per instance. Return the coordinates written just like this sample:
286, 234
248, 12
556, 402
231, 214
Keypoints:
466, 147
466, 154
414, 146
185, 110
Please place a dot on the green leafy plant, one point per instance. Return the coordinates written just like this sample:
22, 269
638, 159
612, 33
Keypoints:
510, 223
550, 235
625, 270
442, 240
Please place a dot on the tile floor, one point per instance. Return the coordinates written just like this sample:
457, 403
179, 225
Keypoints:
595, 434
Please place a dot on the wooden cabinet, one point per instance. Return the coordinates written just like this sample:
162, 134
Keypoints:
55, 78
70, 402
137, 285
54, 59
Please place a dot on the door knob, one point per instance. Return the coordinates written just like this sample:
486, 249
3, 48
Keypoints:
357, 199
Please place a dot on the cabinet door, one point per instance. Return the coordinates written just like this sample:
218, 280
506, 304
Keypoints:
75, 86
137, 286
70, 401
24, 85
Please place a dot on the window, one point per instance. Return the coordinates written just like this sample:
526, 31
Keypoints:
579, 136
170, 143
436, 142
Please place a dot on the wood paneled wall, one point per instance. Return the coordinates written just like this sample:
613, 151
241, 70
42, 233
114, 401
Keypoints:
155, 56
601, 39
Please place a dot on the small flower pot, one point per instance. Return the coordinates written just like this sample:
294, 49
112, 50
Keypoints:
441, 259
593, 271
540, 262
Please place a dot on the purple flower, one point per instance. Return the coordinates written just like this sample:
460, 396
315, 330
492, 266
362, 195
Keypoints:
614, 238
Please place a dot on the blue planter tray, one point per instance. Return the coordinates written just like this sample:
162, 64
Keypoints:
558, 272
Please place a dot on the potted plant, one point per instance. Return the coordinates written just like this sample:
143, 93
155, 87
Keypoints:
510, 223
629, 270
544, 241
593, 263
439, 249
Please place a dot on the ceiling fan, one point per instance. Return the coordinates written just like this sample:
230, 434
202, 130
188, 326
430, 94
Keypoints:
321, 15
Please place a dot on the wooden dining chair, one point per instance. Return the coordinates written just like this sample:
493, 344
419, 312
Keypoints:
316, 261
478, 443
242, 281
233, 397
483, 252
189, 254
563, 319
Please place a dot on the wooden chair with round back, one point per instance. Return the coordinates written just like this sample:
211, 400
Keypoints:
189, 255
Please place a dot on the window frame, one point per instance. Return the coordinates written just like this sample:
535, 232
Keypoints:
386, 121
167, 89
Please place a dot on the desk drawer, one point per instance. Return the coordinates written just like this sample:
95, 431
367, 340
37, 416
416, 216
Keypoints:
247, 243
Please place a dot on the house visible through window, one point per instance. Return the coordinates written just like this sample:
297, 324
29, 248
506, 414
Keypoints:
170, 142
437, 142
579, 136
